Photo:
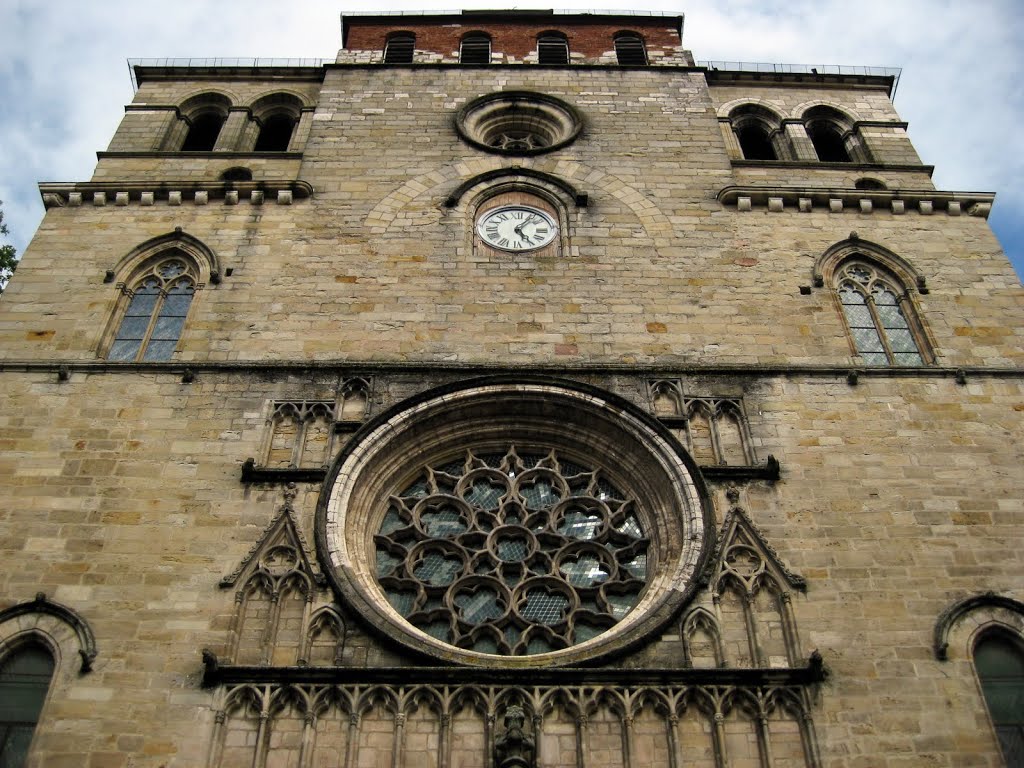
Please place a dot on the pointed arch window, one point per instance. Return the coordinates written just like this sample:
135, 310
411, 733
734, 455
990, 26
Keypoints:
552, 48
475, 49
882, 324
999, 662
158, 303
24, 681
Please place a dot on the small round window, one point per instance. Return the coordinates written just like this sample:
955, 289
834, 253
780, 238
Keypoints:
514, 553
518, 123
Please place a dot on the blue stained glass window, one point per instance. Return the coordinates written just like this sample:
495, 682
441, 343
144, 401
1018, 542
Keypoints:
155, 316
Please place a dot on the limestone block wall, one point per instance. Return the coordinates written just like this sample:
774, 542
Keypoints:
122, 499
653, 269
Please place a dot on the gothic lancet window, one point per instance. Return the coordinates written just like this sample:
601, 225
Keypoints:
879, 316
24, 681
999, 662
157, 305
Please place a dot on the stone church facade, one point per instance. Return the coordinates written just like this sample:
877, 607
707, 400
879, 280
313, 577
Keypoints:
511, 392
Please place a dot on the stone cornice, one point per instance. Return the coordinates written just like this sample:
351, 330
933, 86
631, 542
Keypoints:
192, 369
895, 201
146, 193
819, 165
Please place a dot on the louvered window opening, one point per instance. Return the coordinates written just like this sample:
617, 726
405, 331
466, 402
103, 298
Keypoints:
399, 49
552, 49
629, 50
512, 553
475, 49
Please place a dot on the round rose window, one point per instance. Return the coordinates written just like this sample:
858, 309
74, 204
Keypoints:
516, 552
524, 523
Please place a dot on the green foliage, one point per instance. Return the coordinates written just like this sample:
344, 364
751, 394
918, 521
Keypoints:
8, 258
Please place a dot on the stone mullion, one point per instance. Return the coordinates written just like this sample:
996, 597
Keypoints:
217, 741
714, 413
489, 719
756, 655
880, 329
352, 746
270, 632
627, 741
675, 760
398, 744
801, 143
581, 740
764, 747
732, 141
300, 441
444, 742
259, 758
175, 135
808, 737
308, 734
789, 630
300, 134
716, 602
302, 656
234, 629
718, 739
538, 727
231, 131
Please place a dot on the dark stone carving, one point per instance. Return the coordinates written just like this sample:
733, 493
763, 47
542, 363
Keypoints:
42, 604
216, 673
852, 377
188, 376
961, 376
950, 616
770, 470
253, 474
63, 373
514, 748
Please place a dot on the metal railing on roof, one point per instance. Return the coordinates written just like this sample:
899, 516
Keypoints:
805, 69
220, 62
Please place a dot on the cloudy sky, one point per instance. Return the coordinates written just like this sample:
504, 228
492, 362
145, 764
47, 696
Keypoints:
64, 77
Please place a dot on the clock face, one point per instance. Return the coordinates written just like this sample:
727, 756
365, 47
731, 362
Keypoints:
517, 228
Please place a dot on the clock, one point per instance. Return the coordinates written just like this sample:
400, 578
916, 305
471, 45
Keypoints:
517, 228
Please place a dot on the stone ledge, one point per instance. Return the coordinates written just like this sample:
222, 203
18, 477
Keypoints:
366, 367
836, 200
215, 673
146, 193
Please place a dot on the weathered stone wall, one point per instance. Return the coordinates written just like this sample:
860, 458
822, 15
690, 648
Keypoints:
899, 494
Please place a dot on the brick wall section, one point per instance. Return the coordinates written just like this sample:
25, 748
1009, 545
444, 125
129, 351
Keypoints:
588, 39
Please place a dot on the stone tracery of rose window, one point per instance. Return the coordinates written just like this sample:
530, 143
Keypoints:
512, 552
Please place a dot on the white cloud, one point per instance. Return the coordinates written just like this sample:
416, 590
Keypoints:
64, 81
